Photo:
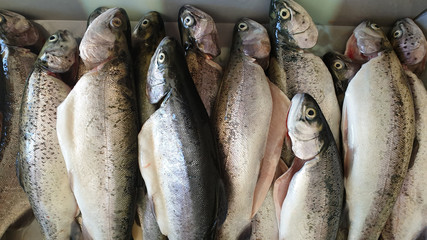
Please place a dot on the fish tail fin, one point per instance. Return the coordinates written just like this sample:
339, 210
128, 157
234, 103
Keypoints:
246, 232
76, 233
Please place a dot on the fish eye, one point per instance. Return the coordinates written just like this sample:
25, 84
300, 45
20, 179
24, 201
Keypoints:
2, 19
375, 26
145, 22
188, 21
116, 22
284, 13
243, 26
53, 38
397, 34
310, 113
161, 58
338, 65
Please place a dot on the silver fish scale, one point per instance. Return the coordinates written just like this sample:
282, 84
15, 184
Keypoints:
40, 162
18, 64
185, 173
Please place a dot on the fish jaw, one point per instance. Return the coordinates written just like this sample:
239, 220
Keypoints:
198, 30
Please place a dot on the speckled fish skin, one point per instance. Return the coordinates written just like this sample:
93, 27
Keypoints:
264, 223
314, 199
16, 30
410, 45
97, 131
17, 66
146, 36
41, 167
242, 120
378, 134
342, 69
177, 151
294, 70
199, 37
407, 221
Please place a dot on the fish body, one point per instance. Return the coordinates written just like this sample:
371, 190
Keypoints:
313, 197
242, 120
16, 30
97, 131
41, 167
378, 134
17, 65
177, 151
342, 69
264, 223
410, 45
146, 36
292, 69
200, 40
407, 220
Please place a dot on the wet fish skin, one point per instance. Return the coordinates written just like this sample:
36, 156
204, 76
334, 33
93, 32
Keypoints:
94, 14
99, 140
407, 220
183, 183
290, 24
199, 37
264, 223
16, 30
40, 165
410, 45
17, 66
342, 70
312, 205
242, 119
293, 70
377, 154
146, 36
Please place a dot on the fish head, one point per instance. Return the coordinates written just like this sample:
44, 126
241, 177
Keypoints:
342, 69
98, 11
252, 39
150, 26
307, 127
16, 30
166, 63
105, 37
292, 25
408, 41
198, 30
367, 40
59, 52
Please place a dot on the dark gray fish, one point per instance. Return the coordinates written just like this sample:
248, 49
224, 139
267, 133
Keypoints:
41, 167
342, 69
146, 36
97, 130
199, 37
177, 151
94, 14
